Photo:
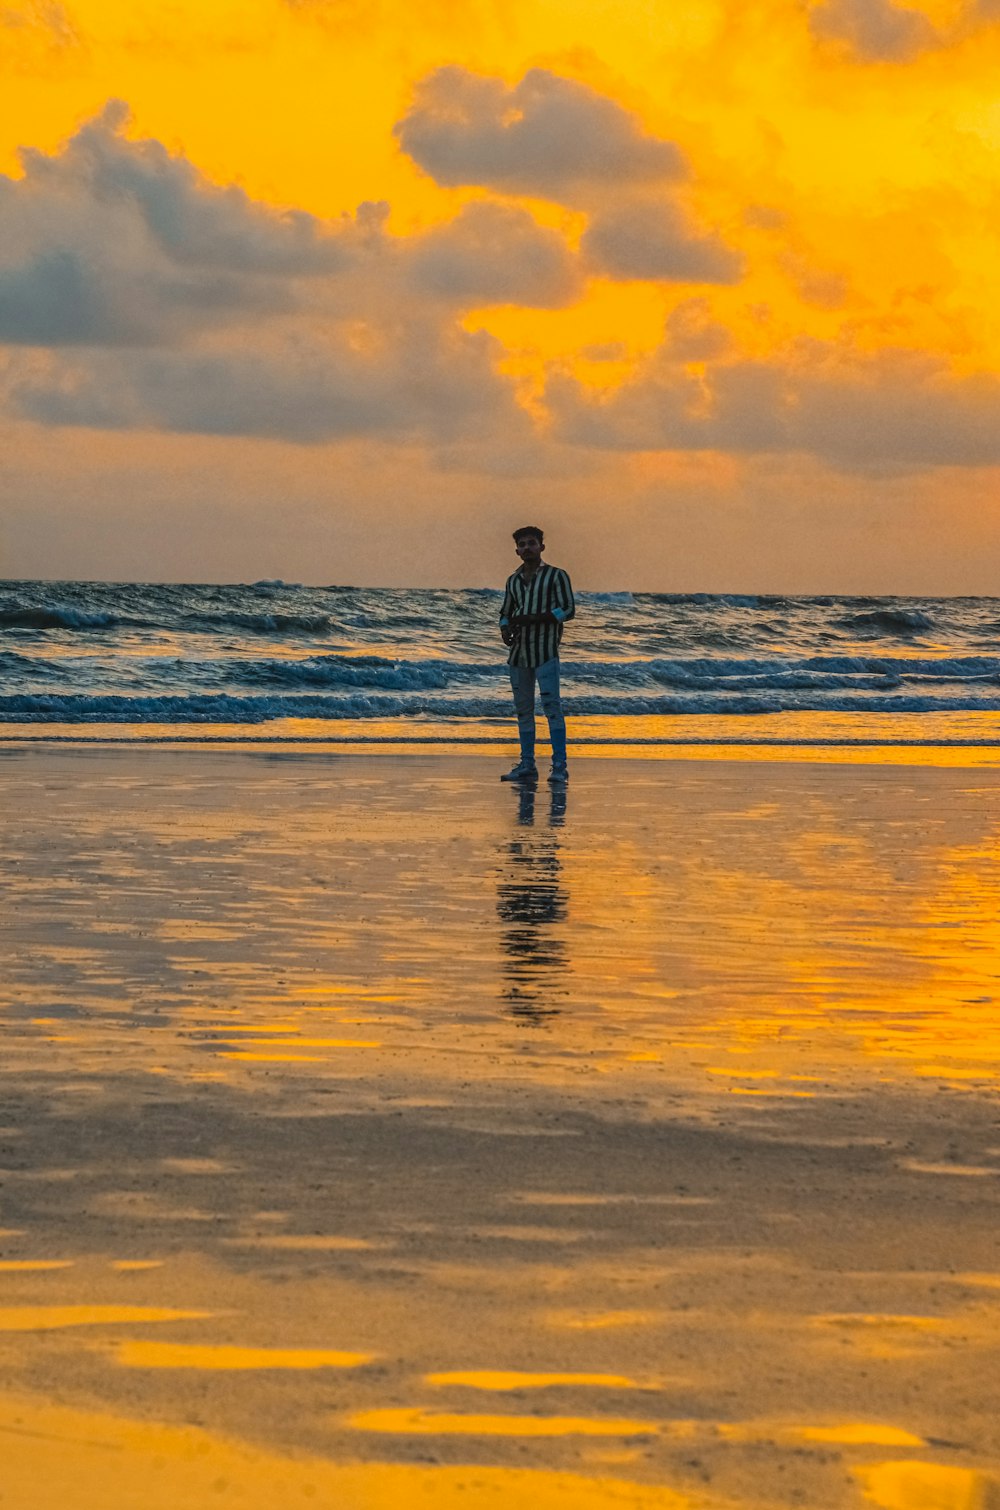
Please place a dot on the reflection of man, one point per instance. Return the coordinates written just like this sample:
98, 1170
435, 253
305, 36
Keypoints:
531, 903
537, 601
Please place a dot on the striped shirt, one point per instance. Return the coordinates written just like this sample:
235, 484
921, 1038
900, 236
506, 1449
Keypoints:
549, 588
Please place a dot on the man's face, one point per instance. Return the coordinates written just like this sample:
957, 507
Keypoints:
529, 548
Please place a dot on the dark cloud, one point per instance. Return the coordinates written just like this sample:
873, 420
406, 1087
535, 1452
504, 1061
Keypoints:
66, 297
430, 383
113, 242
650, 239
119, 242
876, 31
495, 254
193, 221
194, 309
891, 411
548, 136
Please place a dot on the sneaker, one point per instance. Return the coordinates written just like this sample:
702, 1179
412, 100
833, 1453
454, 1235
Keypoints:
559, 775
525, 770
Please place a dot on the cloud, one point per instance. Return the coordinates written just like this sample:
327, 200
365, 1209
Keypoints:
431, 383
548, 136
495, 254
117, 242
194, 309
821, 287
650, 239
38, 15
191, 220
692, 335
889, 411
36, 33
876, 31
64, 297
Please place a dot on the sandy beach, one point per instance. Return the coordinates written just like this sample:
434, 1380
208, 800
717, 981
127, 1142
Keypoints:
376, 1135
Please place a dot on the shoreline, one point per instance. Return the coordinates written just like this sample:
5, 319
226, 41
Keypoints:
932, 754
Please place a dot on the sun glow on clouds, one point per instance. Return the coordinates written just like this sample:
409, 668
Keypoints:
521, 240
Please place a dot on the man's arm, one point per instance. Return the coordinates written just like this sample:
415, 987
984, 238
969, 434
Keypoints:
562, 592
563, 605
507, 619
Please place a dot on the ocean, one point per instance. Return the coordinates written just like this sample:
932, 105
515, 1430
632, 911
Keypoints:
277, 660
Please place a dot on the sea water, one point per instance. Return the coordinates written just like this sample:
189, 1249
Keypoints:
281, 660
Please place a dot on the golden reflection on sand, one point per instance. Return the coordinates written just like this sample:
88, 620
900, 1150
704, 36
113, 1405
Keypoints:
356, 993
256, 1029
15, 1265
49, 1318
498, 1379
600, 1321
929, 1486
218, 1356
580, 1198
970, 1171
872, 1321
861, 1434
890, 1337
305, 1242
324, 1043
418, 1422
98, 1461
737, 908
197, 1166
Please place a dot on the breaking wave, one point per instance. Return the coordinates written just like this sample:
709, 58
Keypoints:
13, 616
221, 708
894, 622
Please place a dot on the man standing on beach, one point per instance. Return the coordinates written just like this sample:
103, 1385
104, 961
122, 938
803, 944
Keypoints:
537, 601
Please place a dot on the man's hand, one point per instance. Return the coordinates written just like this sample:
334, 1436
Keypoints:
507, 634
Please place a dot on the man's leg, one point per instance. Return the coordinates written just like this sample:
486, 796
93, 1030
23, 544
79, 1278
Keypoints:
522, 683
548, 687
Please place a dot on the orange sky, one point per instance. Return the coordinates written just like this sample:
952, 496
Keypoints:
708, 289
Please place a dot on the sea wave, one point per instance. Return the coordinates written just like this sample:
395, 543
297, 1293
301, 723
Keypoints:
898, 622
101, 670
705, 599
227, 709
259, 623
18, 616
86, 653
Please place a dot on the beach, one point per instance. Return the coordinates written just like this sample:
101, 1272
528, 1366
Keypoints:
379, 1135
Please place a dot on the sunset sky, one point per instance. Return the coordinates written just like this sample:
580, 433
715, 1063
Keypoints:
343, 292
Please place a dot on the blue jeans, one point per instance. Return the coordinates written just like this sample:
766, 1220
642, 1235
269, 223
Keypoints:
522, 681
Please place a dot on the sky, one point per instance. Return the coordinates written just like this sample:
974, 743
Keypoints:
337, 291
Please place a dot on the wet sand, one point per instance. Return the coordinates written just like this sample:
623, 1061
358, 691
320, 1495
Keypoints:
375, 1135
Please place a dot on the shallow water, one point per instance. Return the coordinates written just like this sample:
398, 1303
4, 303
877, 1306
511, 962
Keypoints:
376, 1131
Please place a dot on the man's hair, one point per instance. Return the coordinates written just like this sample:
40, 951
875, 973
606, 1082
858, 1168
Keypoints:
529, 529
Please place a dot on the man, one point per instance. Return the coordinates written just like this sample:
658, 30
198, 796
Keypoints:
537, 601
